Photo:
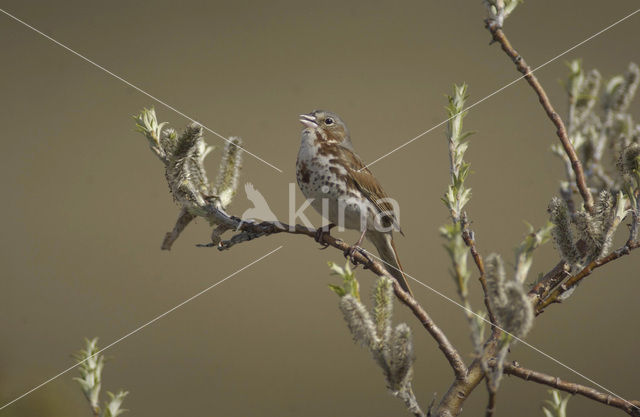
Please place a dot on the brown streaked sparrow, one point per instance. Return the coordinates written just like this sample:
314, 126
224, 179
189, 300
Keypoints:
343, 189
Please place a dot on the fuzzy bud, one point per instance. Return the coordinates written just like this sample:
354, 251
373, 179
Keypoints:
227, 180
383, 308
402, 358
620, 90
185, 171
629, 161
359, 321
562, 232
508, 299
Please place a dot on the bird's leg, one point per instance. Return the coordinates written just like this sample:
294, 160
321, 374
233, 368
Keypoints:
356, 248
322, 232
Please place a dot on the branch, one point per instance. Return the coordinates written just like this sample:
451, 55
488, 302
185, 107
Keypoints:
449, 351
183, 156
498, 36
491, 403
630, 407
556, 295
250, 231
548, 282
184, 218
469, 239
451, 403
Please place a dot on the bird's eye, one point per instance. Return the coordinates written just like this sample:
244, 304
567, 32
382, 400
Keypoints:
328, 121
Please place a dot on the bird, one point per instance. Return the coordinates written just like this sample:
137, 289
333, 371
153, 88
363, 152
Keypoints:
343, 189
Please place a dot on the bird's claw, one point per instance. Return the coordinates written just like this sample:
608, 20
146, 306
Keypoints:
351, 251
321, 233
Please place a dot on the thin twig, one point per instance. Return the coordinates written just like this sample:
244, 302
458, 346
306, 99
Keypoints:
252, 230
451, 403
549, 281
630, 407
555, 296
469, 239
499, 36
184, 218
491, 402
452, 355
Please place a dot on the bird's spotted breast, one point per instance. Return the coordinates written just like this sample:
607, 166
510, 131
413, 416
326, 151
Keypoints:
322, 177
303, 173
341, 187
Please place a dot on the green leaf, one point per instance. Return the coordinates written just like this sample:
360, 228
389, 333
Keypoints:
112, 407
350, 285
338, 290
557, 405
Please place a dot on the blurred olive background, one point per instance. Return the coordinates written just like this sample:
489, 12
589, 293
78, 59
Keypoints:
85, 204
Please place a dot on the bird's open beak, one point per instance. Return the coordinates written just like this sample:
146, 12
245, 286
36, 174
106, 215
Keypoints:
308, 120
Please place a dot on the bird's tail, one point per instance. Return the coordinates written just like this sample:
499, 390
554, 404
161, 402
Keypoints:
387, 251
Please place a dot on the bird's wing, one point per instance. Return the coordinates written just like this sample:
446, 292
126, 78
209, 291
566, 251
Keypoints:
368, 184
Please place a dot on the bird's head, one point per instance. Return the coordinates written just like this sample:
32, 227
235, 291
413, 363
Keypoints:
327, 126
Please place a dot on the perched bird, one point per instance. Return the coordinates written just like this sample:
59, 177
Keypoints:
343, 189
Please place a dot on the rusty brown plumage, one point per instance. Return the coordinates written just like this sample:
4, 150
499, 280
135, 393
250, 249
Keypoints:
327, 152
